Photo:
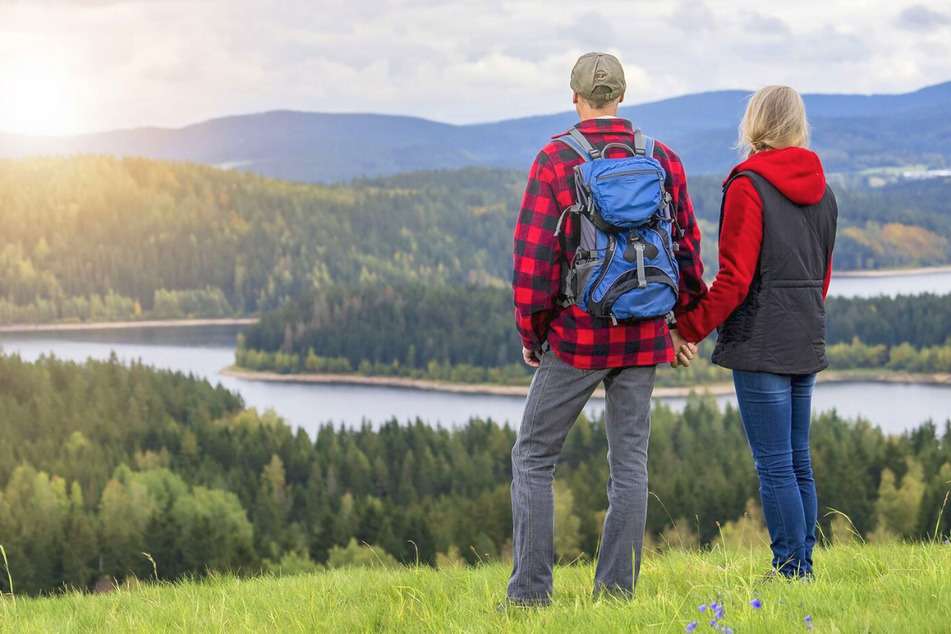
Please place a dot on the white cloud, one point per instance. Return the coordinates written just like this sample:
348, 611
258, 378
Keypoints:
921, 18
173, 62
759, 24
691, 16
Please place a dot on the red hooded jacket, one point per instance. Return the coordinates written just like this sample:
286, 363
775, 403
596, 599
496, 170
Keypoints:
798, 175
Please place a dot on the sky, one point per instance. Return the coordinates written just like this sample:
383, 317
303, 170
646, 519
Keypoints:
75, 66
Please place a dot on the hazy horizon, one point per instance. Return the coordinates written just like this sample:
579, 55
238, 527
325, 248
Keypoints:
563, 110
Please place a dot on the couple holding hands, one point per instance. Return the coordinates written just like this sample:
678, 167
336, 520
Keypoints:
608, 285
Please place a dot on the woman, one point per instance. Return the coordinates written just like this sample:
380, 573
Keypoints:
777, 231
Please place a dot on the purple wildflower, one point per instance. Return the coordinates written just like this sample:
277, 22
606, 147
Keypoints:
756, 603
691, 627
703, 608
947, 541
713, 623
807, 619
719, 611
727, 630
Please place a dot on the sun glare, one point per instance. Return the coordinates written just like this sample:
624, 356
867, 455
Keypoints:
36, 97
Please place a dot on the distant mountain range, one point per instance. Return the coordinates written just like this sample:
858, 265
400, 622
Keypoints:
851, 133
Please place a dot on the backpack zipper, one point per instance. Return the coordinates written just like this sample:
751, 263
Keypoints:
626, 173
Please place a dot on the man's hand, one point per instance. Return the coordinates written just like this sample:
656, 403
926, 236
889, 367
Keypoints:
683, 349
530, 358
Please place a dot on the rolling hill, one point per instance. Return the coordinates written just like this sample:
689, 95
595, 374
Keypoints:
94, 237
851, 132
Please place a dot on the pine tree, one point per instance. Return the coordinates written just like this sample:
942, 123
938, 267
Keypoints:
271, 509
79, 552
897, 508
406, 491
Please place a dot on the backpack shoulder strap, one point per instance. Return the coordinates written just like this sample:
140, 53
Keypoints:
576, 134
574, 146
643, 144
577, 142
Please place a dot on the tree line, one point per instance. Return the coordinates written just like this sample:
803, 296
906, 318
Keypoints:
108, 471
98, 238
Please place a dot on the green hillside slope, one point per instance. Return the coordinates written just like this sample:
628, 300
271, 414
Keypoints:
105, 239
95, 238
893, 588
113, 471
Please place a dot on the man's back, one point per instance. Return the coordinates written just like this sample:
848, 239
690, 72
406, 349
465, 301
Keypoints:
587, 351
578, 338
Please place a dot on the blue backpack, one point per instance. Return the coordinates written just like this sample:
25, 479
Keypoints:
624, 266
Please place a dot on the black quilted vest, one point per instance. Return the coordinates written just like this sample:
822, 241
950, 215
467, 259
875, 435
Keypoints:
780, 326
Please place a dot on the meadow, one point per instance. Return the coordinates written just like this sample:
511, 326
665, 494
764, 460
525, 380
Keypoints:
895, 587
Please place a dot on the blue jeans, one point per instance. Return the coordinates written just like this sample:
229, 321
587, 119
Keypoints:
776, 410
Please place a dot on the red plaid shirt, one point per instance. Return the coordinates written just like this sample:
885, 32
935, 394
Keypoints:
578, 338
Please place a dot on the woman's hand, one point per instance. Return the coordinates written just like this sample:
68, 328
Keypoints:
683, 349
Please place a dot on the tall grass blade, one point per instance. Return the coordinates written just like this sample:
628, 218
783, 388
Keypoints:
937, 524
6, 566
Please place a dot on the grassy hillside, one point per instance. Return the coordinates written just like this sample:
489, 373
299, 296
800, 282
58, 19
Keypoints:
890, 588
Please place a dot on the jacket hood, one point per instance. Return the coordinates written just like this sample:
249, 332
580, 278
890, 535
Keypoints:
796, 172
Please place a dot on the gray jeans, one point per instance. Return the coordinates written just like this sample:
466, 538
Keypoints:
556, 398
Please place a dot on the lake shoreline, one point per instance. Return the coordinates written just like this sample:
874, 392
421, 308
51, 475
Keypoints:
127, 325
715, 389
927, 270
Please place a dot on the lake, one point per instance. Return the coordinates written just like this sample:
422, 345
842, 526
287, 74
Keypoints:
937, 281
204, 351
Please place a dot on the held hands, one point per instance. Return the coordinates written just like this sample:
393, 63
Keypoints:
683, 349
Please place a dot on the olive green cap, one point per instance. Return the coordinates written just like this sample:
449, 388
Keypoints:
598, 76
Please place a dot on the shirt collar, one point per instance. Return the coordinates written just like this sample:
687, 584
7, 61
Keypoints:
614, 125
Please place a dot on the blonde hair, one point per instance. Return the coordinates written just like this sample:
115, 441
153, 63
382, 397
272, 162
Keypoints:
775, 118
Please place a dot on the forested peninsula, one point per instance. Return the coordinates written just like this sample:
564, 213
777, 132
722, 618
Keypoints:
465, 336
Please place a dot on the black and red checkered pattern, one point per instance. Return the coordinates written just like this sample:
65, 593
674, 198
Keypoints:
578, 338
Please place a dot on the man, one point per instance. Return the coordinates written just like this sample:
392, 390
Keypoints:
574, 351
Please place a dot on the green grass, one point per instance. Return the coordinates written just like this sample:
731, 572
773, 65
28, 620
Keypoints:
886, 588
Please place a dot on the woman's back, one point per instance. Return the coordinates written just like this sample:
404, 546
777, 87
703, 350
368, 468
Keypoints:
777, 231
780, 325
